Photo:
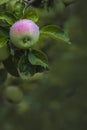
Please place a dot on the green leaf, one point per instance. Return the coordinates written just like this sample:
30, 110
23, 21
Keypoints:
55, 32
7, 18
3, 1
25, 69
19, 8
37, 57
31, 14
4, 32
41, 69
10, 67
3, 41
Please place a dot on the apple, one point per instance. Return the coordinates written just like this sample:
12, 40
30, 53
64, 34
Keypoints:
4, 52
13, 94
24, 33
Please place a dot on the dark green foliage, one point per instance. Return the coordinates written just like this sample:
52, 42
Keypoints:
10, 67
16, 10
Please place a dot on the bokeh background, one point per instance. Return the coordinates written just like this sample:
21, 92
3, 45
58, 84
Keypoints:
57, 99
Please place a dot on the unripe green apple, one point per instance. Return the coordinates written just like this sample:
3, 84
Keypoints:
24, 33
23, 106
4, 52
13, 94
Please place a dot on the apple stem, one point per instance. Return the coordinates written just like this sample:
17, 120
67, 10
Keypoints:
26, 39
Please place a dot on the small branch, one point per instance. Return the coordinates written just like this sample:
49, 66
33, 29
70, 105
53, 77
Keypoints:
29, 2
69, 3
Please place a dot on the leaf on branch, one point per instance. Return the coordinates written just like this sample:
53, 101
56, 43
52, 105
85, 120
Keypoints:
31, 14
4, 32
10, 67
7, 18
37, 57
25, 69
55, 32
3, 41
3, 1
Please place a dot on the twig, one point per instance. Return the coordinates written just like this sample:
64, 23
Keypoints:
29, 2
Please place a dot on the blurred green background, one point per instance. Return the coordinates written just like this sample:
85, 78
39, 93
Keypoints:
57, 99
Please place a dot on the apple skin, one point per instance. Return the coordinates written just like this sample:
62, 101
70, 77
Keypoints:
24, 33
4, 52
